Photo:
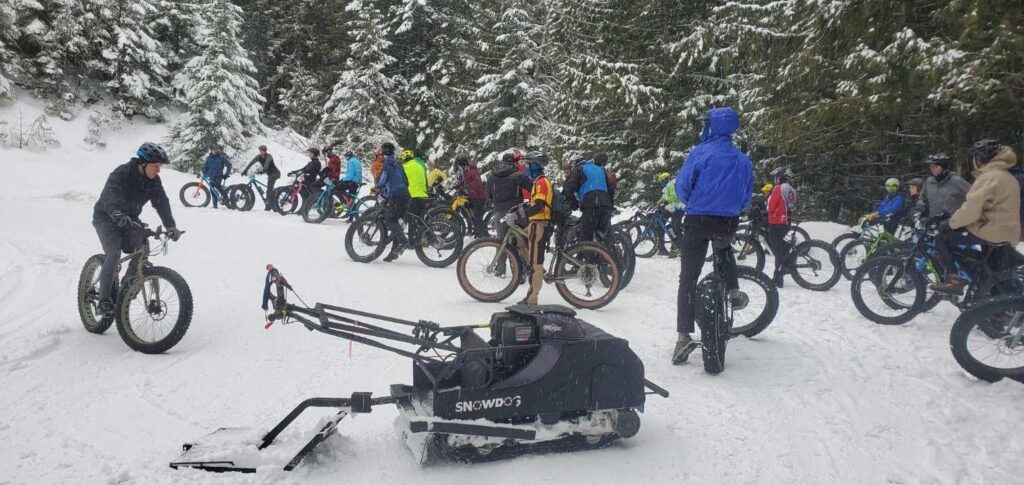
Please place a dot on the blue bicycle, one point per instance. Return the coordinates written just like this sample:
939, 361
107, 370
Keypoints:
332, 202
201, 192
243, 196
649, 232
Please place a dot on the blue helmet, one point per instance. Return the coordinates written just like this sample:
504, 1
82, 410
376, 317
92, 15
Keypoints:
150, 152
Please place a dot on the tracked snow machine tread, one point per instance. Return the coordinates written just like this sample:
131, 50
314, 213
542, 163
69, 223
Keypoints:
544, 382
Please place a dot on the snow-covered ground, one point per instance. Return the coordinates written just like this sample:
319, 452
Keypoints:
822, 396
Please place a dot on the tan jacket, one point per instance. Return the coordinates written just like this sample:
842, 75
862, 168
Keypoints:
992, 208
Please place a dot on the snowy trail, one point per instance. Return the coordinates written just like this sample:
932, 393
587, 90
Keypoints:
822, 396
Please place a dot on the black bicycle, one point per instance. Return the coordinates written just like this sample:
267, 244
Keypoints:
988, 339
892, 290
437, 240
719, 321
152, 304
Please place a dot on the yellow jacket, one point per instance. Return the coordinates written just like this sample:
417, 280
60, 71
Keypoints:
417, 176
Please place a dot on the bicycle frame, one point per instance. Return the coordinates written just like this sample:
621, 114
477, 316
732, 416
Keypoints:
205, 181
259, 186
520, 235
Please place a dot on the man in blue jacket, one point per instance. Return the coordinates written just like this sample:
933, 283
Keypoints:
593, 190
715, 185
217, 168
394, 188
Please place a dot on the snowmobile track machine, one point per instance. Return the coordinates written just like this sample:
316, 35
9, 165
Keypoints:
544, 382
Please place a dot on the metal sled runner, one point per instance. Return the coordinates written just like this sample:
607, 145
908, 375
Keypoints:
545, 381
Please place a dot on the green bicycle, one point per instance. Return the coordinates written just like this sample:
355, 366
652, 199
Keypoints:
856, 253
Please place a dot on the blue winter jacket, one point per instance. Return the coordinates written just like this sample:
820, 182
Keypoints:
353, 171
890, 205
217, 166
392, 179
593, 179
717, 179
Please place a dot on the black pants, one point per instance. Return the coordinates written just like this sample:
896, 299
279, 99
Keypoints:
396, 208
114, 241
271, 181
477, 208
780, 248
350, 188
948, 244
594, 220
217, 183
698, 231
416, 207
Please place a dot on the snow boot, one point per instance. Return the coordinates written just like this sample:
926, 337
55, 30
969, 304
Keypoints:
684, 346
952, 285
738, 300
396, 251
106, 308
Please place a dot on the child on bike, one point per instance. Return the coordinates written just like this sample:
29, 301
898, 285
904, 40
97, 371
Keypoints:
116, 214
888, 208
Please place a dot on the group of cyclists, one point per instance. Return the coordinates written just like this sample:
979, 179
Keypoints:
705, 199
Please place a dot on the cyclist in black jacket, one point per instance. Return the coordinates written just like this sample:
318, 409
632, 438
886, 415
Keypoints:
129, 187
267, 166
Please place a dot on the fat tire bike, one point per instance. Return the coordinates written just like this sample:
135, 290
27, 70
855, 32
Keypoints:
201, 192
987, 340
437, 242
152, 304
492, 269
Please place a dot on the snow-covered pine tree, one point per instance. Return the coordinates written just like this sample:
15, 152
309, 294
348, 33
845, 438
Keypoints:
303, 102
60, 34
8, 35
176, 27
432, 39
362, 110
218, 91
510, 106
131, 61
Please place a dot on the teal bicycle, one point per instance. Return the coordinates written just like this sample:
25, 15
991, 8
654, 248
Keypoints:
243, 196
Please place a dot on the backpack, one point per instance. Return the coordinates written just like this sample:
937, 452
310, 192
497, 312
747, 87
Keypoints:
334, 168
559, 209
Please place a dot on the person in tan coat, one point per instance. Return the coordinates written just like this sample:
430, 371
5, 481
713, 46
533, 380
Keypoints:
989, 215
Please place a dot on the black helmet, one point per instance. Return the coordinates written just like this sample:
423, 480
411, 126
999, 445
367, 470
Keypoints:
349, 154
150, 152
508, 158
783, 173
916, 182
314, 150
387, 148
537, 157
600, 159
940, 159
461, 161
985, 150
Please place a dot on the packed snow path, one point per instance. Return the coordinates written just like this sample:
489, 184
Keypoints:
822, 396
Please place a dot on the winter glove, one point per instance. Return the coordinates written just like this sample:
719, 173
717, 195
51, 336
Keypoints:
173, 233
510, 218
871, 217
124, 221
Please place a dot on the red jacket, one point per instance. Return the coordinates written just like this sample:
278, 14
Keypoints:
781, 201
473, 183
334, 167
